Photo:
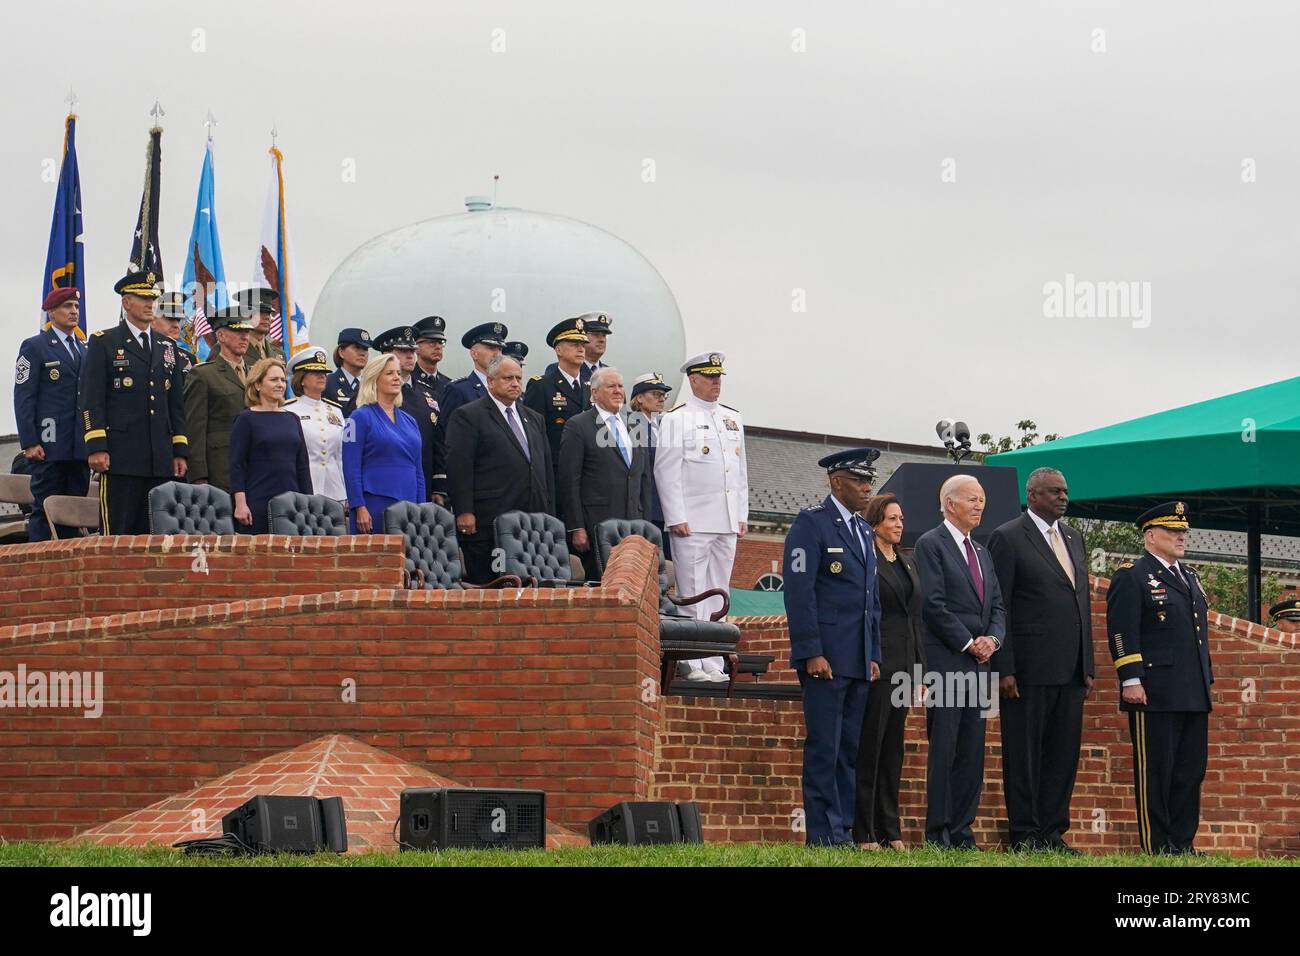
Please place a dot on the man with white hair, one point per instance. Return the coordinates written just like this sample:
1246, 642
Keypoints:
602, 470
964, 624
703, 485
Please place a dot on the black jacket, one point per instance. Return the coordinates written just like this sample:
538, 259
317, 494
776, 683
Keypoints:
594, 482
132, 404
488, 473
551, 397
901, 646
1159, 633
1049, 620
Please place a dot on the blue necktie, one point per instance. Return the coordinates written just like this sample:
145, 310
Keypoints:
858, 524
618, 440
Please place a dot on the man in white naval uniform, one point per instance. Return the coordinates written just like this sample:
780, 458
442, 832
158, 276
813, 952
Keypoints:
703, 485
322, 423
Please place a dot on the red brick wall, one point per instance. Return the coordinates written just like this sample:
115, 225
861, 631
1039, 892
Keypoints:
89, 577
754, 556
522, 688
742, 759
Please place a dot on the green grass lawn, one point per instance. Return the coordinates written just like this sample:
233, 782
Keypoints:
733, 854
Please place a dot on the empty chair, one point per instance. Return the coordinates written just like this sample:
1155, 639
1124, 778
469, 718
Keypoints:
681, 637
71, 511
534, 548
16, 490
433, 559
176, 508
306, 515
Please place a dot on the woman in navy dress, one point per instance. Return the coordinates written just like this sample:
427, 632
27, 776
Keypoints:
382, 463
268, 455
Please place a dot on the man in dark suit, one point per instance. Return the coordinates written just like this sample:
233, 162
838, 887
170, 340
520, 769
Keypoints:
484, 343
45, 406
1159, 639
132, 409
497, 461
965, 623
560, 393
649, 395
1045, 667
833, 608
603, 473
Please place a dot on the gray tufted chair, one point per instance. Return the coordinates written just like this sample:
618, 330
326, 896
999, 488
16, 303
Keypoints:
681, 637
432, 551
178, 508
306, 515
534, 547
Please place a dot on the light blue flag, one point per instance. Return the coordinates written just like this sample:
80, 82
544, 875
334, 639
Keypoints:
205, 275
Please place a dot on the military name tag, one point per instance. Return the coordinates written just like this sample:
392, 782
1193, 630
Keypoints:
559, 401
834, 550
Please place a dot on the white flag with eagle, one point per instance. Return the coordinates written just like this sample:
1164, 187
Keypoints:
275, 266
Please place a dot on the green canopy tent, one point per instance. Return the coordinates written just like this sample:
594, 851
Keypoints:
1235, 460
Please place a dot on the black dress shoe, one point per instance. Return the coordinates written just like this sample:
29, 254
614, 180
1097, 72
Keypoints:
1060, 846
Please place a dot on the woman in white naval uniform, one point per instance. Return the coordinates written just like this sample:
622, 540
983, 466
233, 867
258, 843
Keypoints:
322, 423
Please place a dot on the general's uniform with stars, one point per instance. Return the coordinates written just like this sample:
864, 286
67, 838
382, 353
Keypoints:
703, 481
1159, 637
132, 406
552, 396
45, 406
322, 429
833, 606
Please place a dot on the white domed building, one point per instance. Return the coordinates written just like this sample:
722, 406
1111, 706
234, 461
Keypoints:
527, 270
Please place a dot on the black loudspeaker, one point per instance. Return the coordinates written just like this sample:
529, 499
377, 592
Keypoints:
917, 486
289, 825
443, 818
632, 824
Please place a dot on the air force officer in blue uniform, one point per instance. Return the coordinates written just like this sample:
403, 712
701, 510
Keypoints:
45, 404
833, 610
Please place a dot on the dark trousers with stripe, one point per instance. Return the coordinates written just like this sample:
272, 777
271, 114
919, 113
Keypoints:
1041, 733
1169, 757
832, 713
124, 503
55, 478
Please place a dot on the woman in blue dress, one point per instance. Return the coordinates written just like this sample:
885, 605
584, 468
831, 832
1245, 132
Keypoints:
268, 455
381, 448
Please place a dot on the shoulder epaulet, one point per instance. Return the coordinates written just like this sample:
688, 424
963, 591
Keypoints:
97, 334
289, 402
736, 410
1190, 570
535, 378
330, 401
817, 507
674, 408
1125, 566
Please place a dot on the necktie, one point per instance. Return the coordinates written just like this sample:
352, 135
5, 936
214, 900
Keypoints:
144, 342
973, 563
618, 440
1058, 548
859, 526
71, 343
519, 432
1178, 573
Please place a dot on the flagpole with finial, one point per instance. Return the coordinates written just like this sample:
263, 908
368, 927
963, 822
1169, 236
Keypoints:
495, 179
210, 124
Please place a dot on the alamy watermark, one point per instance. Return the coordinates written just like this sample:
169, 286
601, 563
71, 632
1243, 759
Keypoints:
1085, 299
54, 690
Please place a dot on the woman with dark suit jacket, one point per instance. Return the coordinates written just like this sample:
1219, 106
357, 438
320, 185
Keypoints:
880, 748
382, 458
268, 455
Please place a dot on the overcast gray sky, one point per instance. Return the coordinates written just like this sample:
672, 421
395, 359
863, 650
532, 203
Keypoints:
1105, 141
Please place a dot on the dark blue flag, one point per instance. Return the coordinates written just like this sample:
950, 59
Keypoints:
65, 261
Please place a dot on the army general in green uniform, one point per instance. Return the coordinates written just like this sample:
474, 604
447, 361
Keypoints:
214, 397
